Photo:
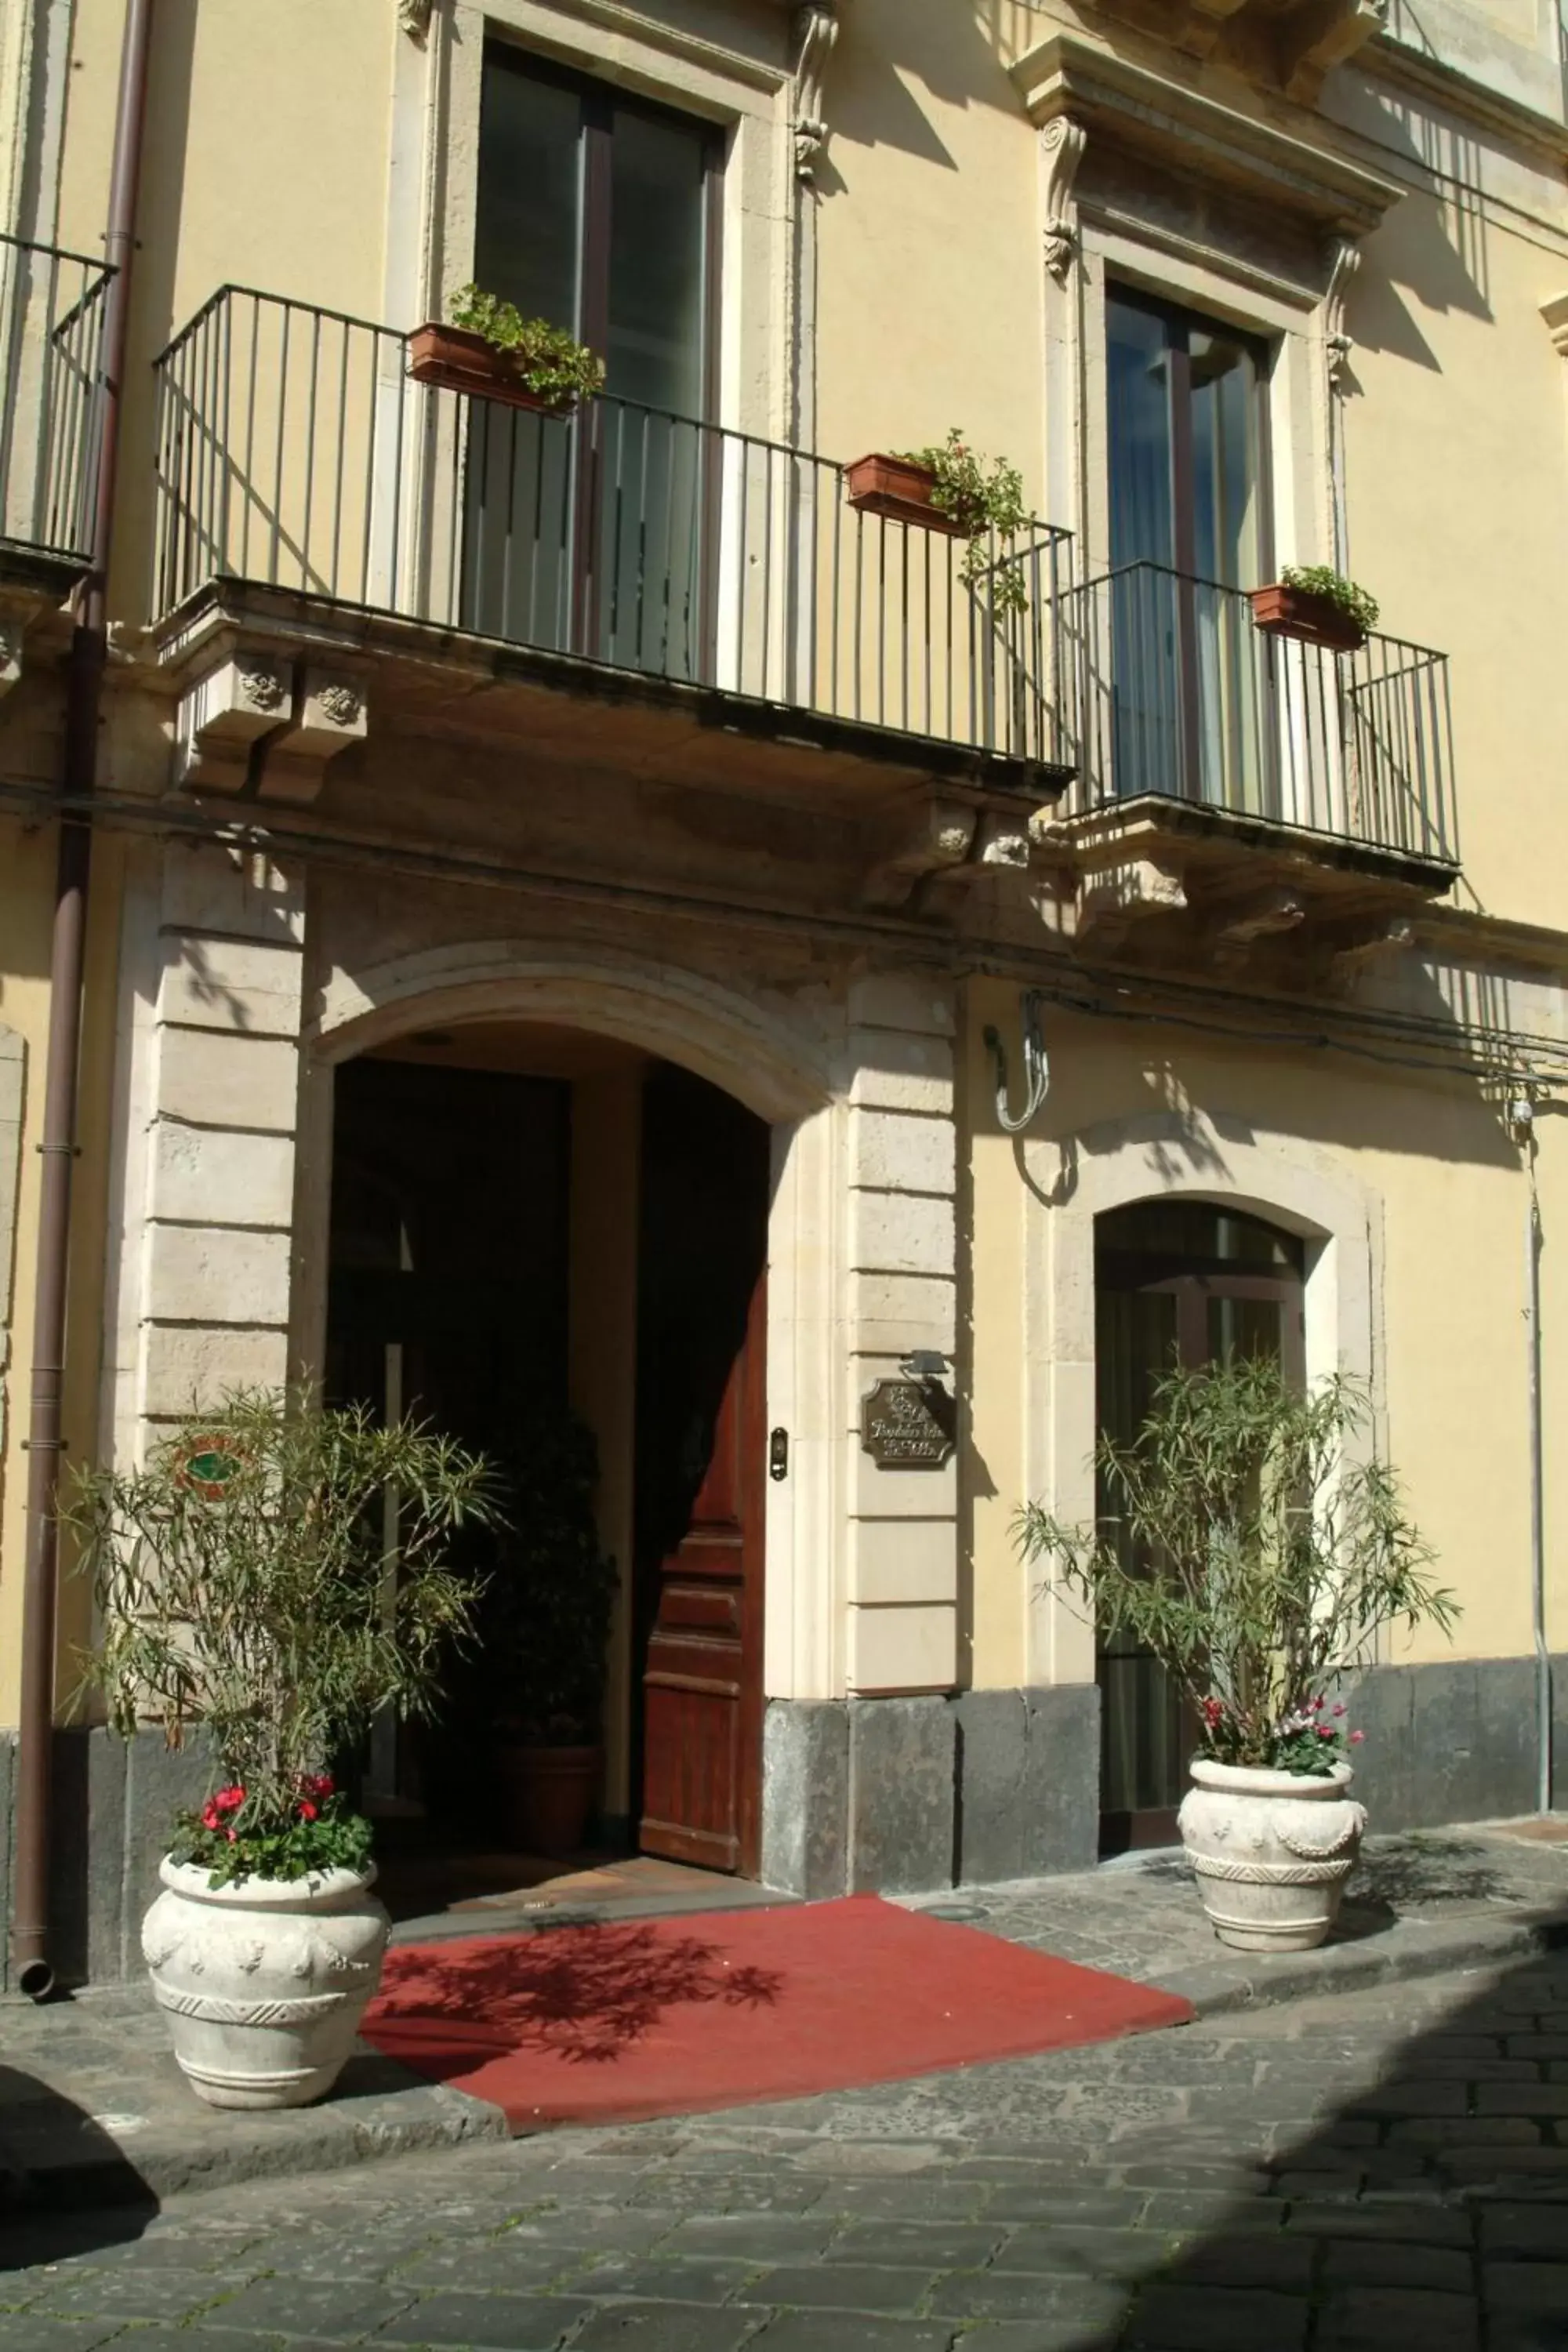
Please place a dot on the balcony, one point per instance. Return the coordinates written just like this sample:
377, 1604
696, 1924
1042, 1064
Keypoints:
51, 413
639, 589
1242, 796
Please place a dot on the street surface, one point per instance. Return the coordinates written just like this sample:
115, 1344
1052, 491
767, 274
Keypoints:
1379, 2169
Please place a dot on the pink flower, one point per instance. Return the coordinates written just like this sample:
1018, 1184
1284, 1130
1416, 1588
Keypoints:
1341, 1708
1356, 1739
1317, 1705
1327, 1732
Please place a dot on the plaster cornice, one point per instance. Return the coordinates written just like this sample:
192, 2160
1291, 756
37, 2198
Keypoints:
1393, 62
1165, 116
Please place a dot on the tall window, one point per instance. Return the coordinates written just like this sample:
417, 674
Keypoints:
1175, 1282
597, 212
1188, 481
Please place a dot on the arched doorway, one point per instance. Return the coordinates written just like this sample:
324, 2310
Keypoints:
531, 1222
1176, 1281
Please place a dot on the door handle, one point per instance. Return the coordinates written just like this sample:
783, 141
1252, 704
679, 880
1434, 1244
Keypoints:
778, 1453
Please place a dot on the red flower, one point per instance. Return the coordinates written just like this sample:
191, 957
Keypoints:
1326, 1731
1213, 1713
229, 1801
316, 1784
307, 1810
1356, 1739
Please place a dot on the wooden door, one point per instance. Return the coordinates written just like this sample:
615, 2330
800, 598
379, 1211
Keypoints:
702, 1684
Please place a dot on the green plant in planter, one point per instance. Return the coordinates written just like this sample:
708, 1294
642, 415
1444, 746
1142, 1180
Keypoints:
242, 1581
545, 1624
549, 361
1244, 1549
1322, 580
984, 505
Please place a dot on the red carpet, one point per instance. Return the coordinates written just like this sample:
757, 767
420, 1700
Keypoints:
664, 2017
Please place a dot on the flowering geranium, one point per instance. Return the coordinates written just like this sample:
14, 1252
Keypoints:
319, 1835
1311, 1737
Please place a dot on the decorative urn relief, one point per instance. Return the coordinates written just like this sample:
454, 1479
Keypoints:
1272, 1851
263, 1981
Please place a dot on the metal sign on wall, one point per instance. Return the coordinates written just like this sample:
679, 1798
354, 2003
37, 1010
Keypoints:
907, 1425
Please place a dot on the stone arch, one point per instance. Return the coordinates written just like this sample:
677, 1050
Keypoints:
1162, 1155
755, 1050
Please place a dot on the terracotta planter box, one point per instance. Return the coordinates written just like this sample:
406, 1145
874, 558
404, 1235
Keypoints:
1293, 613
459, 361
898, 489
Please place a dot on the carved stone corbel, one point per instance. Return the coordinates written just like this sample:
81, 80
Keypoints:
1201, 24
329, 715
1348, 963
1111, 900
940, 838
1237, 933
816, 31
1062, 142
223, 715
414, 15
1344, 260
11, 636
1322, 34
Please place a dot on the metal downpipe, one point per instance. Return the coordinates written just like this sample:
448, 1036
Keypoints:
33, 1970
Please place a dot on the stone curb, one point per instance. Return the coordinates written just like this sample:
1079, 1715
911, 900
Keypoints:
55, 2173
1415, 1949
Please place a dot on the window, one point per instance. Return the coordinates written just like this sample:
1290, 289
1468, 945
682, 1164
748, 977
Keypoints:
1188, 489
598, 213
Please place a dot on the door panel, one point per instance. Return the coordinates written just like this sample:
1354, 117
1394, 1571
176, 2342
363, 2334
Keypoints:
702, 1682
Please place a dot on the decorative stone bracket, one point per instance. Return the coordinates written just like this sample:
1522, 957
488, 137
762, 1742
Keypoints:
816, 31
1298, 41
301, 719
1062, 142
951, 842
414, 15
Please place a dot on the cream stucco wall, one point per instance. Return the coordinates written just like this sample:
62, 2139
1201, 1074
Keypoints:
1446, 1200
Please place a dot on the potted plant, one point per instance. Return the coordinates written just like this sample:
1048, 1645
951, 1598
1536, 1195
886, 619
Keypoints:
946, 487
492, 352
1257, 1562
1314, 603
544, 1649
242, 1581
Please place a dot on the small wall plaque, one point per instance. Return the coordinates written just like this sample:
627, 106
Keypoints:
907, 1425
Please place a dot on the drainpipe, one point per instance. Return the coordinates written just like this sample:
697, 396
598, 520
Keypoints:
79, 768
1522, 1118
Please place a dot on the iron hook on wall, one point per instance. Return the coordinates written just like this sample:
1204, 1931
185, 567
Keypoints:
1037, 1066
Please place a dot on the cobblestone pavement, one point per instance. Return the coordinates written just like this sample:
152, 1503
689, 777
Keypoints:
1325, 2177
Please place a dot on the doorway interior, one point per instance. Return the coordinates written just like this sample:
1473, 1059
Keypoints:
1176, 1282
534, 1227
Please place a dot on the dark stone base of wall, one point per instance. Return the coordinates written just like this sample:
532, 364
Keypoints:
909, 1795
114, 1804
1455, 1741
901, 1796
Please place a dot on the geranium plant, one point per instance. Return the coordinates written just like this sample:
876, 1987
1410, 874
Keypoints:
1322, 580
985, 505
244, 1581
1242, 1545
548, 360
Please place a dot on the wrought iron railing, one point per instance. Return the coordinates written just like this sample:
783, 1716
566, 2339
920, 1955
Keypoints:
52, 308
295, 450
1173, 689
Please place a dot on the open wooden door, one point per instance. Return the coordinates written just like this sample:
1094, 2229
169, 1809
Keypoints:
702, 1686
701, 1473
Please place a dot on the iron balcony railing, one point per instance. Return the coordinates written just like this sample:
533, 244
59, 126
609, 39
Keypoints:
52, 307
295, 450
1174, 690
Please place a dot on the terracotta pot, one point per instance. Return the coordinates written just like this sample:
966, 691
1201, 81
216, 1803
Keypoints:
898, 489
1272, 1851
263, 1983
459, 361
550, 1795
1295, 612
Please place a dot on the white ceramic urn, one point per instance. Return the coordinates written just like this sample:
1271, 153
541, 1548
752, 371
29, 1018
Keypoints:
264, 1982
1272, 1851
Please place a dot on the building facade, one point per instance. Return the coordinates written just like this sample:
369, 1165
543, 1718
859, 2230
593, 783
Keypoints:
584, 905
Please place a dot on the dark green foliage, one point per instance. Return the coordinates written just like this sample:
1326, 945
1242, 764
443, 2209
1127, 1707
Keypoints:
549, 361
243, 1579
986, 507
1248, 1548
546, 1625
1322, 580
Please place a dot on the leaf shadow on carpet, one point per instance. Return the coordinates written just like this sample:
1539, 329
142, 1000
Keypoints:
582, 1994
